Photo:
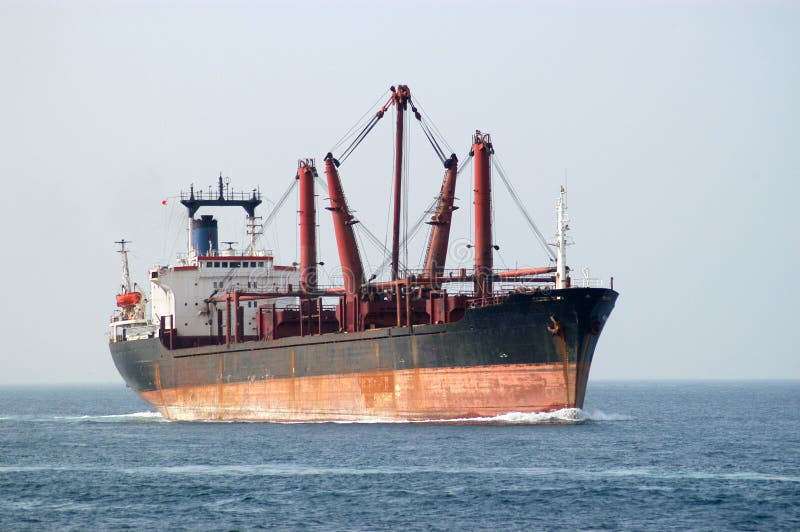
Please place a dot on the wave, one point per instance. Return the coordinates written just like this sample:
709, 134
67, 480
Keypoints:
598, 415
565, 416
295, 469
135, 417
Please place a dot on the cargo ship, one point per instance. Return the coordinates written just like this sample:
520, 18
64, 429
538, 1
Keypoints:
228, 334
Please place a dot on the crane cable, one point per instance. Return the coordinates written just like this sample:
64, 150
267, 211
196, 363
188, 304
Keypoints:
420, 221
350, 132
364, 131
277, 207
542, 240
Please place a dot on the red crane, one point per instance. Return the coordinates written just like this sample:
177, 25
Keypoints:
482, 151
306, 172
440, 231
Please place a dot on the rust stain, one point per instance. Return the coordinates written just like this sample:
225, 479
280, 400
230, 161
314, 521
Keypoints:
428, 393
220, 387
561, 346
157, 374
377, 388
293, 388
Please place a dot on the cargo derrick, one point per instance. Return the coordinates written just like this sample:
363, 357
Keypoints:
349, 257
402, 301
400, 99
436, 253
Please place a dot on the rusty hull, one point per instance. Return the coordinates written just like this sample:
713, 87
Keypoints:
419, 394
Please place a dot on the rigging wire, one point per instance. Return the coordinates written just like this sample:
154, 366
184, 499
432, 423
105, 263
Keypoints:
406, 186
432, 141
361, 246
414, 230
515, 196
433, 124
472, 208
360, 121
277, 207
389, 198
361, 136
360, 226
381, 246
464, 162
436, 140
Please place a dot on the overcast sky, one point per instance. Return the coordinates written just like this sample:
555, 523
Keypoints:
677, 125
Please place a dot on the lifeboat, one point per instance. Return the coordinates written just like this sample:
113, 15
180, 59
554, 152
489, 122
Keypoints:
129, 299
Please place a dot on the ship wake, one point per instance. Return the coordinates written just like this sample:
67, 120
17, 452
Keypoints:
135, 417
565, 416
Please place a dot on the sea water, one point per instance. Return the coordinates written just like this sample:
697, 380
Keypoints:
641, 455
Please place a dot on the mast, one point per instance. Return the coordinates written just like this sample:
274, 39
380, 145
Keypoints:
254, 230
126, 276
440, 232
343, 221
202, 233
482, 151
400, 99
306, 172
562, 280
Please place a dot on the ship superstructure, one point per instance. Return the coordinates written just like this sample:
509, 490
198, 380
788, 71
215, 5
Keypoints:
185, 298
232, 335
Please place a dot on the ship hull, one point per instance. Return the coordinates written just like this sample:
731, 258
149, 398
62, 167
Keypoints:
531, 353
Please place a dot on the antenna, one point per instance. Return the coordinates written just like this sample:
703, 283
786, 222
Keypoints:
562, 281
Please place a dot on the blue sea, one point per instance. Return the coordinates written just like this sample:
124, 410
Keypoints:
641, 455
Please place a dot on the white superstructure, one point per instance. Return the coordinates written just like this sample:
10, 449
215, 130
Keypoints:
184, 294
188, 299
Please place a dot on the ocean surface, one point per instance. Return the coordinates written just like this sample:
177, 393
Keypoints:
642, 455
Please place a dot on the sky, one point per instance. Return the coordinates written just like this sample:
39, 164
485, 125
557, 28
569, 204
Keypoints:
675, 125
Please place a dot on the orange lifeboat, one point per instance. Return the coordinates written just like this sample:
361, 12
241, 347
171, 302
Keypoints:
129, 299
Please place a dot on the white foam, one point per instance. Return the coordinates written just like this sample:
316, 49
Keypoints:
565, 416
597, 415
111, 418
136, 415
